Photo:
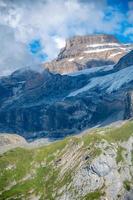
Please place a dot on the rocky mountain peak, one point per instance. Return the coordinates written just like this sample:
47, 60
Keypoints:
90, 40
82, 52
79, 44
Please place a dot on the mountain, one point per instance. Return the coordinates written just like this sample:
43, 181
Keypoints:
9, 141
92, 104
37, 105
126, 60
96, 165
83, 52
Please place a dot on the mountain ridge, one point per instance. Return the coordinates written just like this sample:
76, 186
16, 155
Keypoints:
82, 52
51, 105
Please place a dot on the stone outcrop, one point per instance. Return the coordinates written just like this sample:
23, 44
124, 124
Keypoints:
129, 105
83, 52
10, 139
105, 174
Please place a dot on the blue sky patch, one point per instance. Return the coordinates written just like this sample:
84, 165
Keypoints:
35, 46
36, 49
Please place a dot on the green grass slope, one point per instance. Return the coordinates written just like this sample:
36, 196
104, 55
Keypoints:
36, 173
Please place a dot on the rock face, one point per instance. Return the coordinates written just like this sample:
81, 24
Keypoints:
30, 103
50, 105
82, 52
106, 170
126, 60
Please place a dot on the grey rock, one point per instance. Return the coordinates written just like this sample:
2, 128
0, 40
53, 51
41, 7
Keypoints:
128, 196
86, 181
103, 165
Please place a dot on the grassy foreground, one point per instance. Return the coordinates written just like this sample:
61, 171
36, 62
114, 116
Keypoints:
30, 173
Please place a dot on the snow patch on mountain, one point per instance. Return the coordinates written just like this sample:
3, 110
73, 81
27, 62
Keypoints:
71, 59
80, 58
104, 44
114, 54
100, 50
92, 70
110, 83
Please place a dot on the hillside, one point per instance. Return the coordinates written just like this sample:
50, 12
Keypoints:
95, 165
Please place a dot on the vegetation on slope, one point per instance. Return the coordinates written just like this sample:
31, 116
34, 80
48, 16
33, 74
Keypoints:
28, 173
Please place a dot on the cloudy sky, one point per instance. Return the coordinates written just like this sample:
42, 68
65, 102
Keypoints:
33, 31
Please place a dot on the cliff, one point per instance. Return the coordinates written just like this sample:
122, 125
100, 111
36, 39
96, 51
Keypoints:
83, 52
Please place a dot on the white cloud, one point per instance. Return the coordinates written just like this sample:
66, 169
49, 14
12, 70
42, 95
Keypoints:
13, 55
51, 22
60, 42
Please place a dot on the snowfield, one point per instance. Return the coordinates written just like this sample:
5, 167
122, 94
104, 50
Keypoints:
109, 83
92, 70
